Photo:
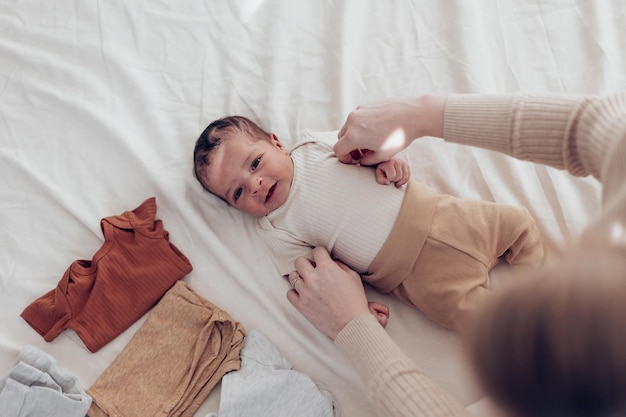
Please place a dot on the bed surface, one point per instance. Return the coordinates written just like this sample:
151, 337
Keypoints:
101, 103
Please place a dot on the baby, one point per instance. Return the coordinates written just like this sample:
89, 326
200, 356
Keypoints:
428, 250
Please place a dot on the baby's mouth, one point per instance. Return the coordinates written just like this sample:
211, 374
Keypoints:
270, 193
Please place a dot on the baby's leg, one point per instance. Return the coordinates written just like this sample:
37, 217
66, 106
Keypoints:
519, 240
488, 231
446, 284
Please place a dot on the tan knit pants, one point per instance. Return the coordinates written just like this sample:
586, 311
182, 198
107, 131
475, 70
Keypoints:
439, 254
179, 354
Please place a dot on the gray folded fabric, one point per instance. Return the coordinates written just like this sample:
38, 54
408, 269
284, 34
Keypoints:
38, 386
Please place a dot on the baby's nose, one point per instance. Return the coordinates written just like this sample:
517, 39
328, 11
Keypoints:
256, 183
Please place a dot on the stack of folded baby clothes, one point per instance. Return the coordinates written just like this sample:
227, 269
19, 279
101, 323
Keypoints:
173, 361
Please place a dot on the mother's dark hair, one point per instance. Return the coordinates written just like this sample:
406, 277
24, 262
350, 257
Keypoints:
555, 345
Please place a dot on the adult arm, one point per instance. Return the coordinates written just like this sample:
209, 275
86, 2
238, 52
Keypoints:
331, 296
565, 132
584, 135
385, 127
396, 386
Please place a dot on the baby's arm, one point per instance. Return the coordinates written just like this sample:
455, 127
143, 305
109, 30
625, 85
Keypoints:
395, 170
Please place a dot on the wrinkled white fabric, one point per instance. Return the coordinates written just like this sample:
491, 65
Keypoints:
96, 93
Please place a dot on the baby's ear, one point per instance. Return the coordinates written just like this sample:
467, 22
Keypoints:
276, 142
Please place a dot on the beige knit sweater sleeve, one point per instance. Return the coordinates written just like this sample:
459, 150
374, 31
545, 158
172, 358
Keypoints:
585, 135
395, 385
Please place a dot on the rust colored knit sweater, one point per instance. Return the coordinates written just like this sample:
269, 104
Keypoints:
129, 274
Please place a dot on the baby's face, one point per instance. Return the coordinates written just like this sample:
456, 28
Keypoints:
252, 176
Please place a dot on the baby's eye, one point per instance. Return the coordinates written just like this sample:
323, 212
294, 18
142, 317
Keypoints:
256, 163
237, 194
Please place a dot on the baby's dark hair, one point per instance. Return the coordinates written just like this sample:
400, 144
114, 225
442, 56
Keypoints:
215, 134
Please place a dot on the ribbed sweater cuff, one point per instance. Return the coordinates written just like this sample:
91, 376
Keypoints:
478, 120
527, 127
396, 386
368, 346
599, 130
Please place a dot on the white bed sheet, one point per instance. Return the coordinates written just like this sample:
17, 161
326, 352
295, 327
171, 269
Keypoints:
101, 103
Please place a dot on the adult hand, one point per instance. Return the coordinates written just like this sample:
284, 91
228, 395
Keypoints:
378, 130
326, 292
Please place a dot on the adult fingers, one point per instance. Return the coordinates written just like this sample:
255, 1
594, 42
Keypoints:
293, 297
303, 265
294, 277
321, 255
372, 158
350, 271
293, 294
344, 149
344, 266
348, 156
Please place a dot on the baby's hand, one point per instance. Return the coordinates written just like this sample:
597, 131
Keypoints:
380, 311
395, 170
